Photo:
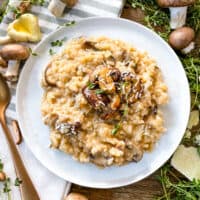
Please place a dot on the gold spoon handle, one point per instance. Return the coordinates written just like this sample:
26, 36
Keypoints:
27, 189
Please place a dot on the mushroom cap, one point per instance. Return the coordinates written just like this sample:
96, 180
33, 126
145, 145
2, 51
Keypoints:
14, 52
75, 196
70, 3
181, 37
174, 3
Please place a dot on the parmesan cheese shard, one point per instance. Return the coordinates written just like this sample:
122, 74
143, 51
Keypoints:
187, 161
25, 29
194, 119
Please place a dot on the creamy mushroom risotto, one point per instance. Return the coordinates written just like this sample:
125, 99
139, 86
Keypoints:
102, 101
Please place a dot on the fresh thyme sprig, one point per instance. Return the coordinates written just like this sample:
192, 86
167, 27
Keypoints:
155, 17
192, 68
175, 188
193, 16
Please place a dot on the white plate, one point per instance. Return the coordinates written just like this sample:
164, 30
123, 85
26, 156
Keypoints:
176, 113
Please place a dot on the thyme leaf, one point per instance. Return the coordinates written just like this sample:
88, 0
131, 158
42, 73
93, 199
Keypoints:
18, 182
70, 23
51, 52
32, 53
175, 188
58, 43
1, 165
91, 85
99, 91
116, 129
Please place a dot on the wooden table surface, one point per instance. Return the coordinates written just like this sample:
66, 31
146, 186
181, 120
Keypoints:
144, 190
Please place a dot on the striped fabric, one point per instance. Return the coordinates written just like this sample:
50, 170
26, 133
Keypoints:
48, 23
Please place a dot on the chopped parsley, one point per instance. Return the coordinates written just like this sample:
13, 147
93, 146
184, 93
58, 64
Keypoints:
18, 182
38, 2
100, 91
116, 128
32, 53
1, 165
15, 10
6, 186
58, 43
69, 23
51, 52
91, 85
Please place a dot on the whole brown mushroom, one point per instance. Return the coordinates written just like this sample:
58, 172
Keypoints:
56, 7
13, 53
178, 11
2, 176
182, 39
75, 196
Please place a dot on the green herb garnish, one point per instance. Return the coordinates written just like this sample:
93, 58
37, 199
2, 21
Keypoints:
69, 23
32, 53
6, 186
100, 91
51, 52
176, 189
193, 16
91, 85
155, 17
1, 165
18, 182
15, 10
116, 128
38, 2
58, 43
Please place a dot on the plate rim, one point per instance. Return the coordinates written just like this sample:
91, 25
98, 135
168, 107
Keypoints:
85, 183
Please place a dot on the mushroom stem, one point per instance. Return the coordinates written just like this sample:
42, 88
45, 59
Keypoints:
56, 7
5, 40
3, 63
177, 16
189, 48
12, 70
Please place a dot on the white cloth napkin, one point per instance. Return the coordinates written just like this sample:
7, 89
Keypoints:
49, 186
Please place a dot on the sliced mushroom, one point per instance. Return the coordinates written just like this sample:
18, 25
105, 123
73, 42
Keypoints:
182, 39
105, 77
178, 11
101, 160
57, 7
90, 45
47, 81
115, 74
97, 101
67, 128
137, 153
13, 53
128, 77
115, 102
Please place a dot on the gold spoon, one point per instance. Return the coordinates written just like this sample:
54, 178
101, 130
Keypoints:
27, 189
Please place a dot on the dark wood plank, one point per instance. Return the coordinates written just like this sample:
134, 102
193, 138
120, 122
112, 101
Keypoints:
144, 190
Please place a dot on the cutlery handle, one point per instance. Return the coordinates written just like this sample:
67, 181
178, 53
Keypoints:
27, 189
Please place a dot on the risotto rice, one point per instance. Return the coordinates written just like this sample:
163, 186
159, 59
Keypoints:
101, 101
